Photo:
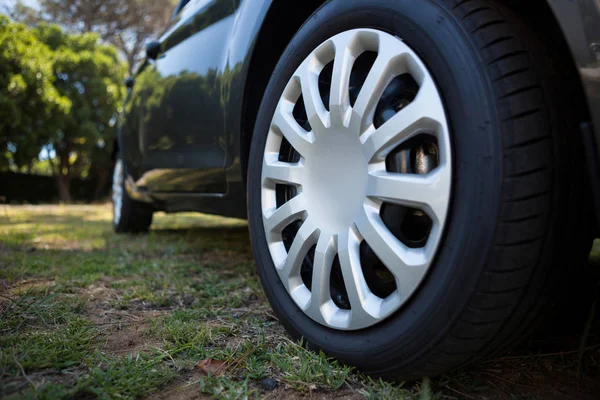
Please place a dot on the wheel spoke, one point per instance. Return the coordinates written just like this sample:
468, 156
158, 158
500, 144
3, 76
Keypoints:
424, 113
292, 210
429, 101
291, 130
407, 265
315, 109
324, 256
339, 103
305, 238
358, 291
377, 80
282, 172
428, 192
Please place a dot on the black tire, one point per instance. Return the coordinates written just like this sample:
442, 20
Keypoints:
516, 217
134, 216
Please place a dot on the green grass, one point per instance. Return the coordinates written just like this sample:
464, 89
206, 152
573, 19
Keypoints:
87, 313
107, 378
66, 274
36, 309
41, 349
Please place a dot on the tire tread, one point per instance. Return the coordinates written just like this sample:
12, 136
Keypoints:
526, 213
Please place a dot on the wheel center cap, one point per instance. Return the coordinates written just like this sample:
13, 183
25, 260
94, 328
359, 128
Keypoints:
337, 181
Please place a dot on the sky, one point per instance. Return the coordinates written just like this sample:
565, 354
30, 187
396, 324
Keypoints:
11, 3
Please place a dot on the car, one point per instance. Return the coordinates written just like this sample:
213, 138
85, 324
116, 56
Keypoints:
420, 178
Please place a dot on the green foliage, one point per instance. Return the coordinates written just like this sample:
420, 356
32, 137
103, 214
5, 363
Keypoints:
58, 91
31, 107
90, 75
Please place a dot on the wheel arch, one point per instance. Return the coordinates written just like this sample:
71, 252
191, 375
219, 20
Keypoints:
280, 25
542, 16
282, 22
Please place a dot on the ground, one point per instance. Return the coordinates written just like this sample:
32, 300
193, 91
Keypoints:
179, 314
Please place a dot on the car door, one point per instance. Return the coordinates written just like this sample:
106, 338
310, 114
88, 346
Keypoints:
181, 129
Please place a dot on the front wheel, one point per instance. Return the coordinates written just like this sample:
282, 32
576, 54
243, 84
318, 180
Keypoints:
412, 187
129, 216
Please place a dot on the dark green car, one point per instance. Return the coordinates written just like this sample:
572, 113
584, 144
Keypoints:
420, 177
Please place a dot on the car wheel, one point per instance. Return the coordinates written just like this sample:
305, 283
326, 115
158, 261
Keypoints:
129, 216
412, 187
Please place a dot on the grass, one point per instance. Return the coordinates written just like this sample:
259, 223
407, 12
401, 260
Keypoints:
87, 313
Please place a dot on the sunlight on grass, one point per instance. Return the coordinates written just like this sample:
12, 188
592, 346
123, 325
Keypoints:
87, 227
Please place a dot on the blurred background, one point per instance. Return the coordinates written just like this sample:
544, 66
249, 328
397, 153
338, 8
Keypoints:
62, 67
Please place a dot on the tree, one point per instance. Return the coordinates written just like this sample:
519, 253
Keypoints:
21, 12
125, 23
90, 75
31, 108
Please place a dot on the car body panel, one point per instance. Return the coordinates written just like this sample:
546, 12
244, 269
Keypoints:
179, 136
580, 23
188, 156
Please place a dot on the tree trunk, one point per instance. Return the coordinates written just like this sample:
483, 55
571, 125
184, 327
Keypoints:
63, 184
102, 178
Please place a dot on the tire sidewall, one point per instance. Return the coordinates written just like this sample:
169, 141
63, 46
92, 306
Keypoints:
136, 217
447, 50
117, 224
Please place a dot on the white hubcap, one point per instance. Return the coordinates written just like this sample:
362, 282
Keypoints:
339, 179
342, 180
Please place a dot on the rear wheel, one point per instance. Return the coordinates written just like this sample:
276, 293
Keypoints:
412, 186
129, 216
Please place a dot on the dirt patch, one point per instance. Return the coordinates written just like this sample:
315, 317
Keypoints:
124, 339
186, 387
290, 394
226, 258
122, 331
235, 342
183, 392
4, 285
101, 298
